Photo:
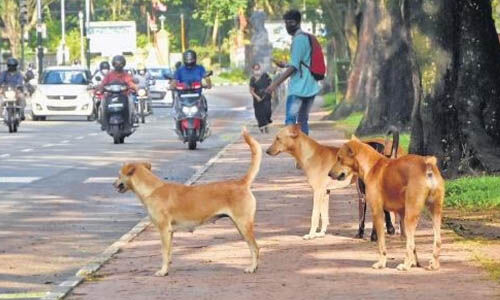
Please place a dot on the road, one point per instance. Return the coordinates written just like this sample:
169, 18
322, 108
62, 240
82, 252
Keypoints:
57, 206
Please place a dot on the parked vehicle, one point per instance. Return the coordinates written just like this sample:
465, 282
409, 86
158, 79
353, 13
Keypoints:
116, 115
160, 93
63, 91
11, 109
190, 113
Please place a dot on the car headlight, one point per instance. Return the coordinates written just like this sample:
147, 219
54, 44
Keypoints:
141, 92
10, 94
38, 106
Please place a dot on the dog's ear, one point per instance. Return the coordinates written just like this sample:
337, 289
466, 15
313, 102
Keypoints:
350, 150
355, 138
129, 169
147, 165
294, 130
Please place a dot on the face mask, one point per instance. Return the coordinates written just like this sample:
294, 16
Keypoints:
257, 73
105, 71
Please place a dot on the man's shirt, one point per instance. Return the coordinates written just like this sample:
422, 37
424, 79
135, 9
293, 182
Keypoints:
13, 79
302, 83
189, 75
120, 77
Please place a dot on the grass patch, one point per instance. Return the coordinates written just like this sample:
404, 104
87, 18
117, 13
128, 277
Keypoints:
490, 265
473, 193
330, 101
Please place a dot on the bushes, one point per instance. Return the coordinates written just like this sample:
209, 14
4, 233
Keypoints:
473, 193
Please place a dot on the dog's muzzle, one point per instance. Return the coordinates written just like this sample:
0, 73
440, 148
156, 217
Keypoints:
269, 151
120, 187
339, 177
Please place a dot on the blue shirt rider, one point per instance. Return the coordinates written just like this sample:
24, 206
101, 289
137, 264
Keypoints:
191, 72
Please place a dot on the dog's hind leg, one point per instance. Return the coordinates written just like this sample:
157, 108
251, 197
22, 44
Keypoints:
166, 244
412, 215
245, 227
436, 208
317, 201
378, 221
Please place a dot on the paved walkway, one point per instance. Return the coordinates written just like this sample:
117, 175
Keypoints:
209, 264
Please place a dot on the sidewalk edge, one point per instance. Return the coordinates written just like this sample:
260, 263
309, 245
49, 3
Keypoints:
64, 288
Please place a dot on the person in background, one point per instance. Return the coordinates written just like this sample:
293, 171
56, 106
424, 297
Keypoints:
13, 78
261, 100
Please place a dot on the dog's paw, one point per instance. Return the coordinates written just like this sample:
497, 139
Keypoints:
402, 267
320, 234
378, 265
162, 272
309, 236
250, 269
433, 265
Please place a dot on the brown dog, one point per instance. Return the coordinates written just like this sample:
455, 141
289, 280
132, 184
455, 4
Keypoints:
175, 207
316, 160
403, 185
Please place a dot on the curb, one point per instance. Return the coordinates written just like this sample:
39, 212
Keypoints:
64, 288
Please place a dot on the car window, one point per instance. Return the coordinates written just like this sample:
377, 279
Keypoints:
159, 73
66, 77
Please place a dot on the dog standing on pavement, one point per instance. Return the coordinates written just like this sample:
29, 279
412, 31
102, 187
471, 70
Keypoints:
403, 185
176, 207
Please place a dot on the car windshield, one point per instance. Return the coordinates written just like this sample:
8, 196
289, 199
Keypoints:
66, 77
159, 73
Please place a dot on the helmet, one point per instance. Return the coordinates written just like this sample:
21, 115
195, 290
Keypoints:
12, 64
118, 63
189, 58
104, 65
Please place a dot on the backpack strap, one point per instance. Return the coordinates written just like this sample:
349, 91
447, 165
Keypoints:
302, 63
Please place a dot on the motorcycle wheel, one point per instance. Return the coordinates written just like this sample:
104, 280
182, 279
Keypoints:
116, 139
11, 128
143, 113
192, 139
122, 140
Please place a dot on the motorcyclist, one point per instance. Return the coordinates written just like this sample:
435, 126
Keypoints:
119, 75
28, 76
144, 79
191, 72
13, 78
104, 68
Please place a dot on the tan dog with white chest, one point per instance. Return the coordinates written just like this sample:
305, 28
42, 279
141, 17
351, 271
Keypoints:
316, 161
174, 207
403, 185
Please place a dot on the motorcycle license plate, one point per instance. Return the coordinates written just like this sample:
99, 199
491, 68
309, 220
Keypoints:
116, 105
190, 95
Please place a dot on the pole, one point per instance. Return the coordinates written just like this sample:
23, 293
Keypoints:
22, 46
87, 24
39, 38
183, 34
148, 29
63, 31
82, 51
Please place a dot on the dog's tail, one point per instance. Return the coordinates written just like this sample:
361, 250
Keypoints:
430, 171
256, 157
392, 130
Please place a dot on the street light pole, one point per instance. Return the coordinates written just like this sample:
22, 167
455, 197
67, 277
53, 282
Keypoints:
39, 38
82, 51
63, 31
87, 40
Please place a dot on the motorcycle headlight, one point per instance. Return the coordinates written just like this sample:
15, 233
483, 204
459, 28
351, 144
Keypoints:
10, 94
141, 92
194, 109
185, 110
190, 110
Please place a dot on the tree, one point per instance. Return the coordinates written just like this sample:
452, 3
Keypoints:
457, 115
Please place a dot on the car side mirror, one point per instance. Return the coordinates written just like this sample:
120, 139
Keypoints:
168, 76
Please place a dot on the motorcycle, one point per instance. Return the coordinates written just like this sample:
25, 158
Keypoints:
117, 120
12, 111
190, 115
143, 102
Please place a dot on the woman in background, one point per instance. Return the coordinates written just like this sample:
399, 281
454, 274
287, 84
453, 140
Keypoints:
261, 100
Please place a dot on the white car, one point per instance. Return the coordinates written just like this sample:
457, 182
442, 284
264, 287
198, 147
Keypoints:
64, 91
160, 95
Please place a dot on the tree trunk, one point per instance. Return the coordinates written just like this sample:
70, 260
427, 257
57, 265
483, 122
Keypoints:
215, 30
381, 77
458, 117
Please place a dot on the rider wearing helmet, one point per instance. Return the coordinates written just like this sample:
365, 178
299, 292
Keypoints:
120, 75
12, 77
191, 72
144, 79
104, 68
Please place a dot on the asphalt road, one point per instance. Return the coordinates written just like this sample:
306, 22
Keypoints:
58, 208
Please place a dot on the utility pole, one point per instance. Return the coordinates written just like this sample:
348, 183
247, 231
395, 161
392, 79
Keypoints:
23, 18
183, 34
87, 39
39, 38
82, 51
63, 31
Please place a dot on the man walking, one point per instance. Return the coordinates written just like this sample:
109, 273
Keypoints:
303, 87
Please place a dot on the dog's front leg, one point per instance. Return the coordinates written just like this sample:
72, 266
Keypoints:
166, 244
325, 219
318, 195
170, 248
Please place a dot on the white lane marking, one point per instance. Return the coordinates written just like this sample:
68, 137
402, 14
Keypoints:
4, 155
18, 179
27, 150
100, 180
65, 142
79, 138
48, 145
93, 134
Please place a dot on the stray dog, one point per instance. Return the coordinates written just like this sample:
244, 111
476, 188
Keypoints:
403, 185
175, 207
381, 146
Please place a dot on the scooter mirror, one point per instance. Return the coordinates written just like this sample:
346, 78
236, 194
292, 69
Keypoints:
209, 73
98, 78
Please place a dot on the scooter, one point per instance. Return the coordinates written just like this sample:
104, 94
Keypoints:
143, 103
12, 111
116, 117
190, 114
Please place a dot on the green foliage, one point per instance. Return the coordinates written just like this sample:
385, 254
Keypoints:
473, 193
236, 75
330, 100
73, 43
281, 54
142, 40
495, 5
